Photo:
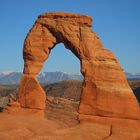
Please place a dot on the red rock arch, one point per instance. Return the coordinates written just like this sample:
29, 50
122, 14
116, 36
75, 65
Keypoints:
105, 89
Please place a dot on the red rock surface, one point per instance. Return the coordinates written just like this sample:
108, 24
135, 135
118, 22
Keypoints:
105, 89
23, 127
31, 93
60, 124
14, 107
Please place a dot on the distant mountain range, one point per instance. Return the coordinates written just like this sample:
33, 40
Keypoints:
132, 76
50, 77
44, 77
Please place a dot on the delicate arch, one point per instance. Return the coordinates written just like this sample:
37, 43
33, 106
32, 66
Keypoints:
105, 89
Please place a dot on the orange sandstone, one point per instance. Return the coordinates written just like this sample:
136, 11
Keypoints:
105, 89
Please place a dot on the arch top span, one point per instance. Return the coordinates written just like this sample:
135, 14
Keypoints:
105, 90
70, 17
73, 30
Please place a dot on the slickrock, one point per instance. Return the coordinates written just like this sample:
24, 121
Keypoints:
21, 127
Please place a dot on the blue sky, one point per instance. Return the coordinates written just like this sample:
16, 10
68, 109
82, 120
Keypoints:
117, 23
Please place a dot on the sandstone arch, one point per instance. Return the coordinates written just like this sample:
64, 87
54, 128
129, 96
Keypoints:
105, 89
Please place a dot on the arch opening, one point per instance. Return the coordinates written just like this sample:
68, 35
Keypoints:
63, 91
61, 59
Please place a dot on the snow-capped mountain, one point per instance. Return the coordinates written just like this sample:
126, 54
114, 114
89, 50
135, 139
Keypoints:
53, 77
133, 76
44, 77
10, 77
3, 73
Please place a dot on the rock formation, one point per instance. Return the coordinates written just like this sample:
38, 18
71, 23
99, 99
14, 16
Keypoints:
105, 89
32, 95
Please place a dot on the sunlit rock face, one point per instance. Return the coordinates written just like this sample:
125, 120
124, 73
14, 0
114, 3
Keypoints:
105, 90
32, 95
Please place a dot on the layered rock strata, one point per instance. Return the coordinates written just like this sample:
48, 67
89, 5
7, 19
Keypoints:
105, 89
